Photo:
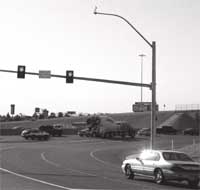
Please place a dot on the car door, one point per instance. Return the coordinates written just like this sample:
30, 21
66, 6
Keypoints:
137, 165
150, 162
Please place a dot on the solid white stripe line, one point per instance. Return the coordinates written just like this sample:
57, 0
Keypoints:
37, 180
43, 182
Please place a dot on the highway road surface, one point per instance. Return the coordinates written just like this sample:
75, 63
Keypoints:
75, 163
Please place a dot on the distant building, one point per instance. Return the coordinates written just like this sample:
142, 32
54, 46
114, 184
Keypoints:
142, 107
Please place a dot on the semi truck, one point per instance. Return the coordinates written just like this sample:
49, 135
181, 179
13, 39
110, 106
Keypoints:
106, 127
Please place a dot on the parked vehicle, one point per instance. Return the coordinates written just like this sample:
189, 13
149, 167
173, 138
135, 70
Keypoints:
35, 134
84, 132
191, 131
53, 130
106, 127
163, 165
144, 132
168, 130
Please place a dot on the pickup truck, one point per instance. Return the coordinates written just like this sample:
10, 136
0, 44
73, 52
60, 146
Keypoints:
35, 134
168, 130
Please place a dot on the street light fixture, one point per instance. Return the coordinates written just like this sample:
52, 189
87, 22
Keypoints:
153, 83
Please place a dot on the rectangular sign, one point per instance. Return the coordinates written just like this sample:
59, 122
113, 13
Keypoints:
37, 110
44, 74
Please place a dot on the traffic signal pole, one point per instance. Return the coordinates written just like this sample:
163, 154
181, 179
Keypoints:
153, 84
153, 91
86, 79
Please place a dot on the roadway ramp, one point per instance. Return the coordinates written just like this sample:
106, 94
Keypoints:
180, 121
171, 120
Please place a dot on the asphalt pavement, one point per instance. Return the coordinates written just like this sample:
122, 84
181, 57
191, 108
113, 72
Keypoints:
72, 162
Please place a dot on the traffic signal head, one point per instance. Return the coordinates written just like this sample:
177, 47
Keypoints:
21, 71
69, 76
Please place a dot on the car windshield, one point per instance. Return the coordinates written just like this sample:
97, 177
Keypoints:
176, 156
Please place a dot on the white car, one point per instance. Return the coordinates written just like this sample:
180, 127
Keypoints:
163, 165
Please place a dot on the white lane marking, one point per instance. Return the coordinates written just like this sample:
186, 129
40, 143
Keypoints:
43, 182
69, 169
99, 160
34, 179
48, 161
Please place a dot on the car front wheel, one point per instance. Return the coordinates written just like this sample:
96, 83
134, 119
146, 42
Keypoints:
128, 172
159, 177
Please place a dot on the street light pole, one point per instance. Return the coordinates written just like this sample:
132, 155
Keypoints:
153, 83
153, 99
142, 56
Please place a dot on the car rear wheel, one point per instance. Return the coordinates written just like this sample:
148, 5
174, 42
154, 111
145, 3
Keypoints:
128, 172
159, 177
194, 183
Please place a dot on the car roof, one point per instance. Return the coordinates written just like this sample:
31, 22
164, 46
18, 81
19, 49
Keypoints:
161, 150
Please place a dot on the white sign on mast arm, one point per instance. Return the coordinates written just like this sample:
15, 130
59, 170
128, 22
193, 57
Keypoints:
44, 74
